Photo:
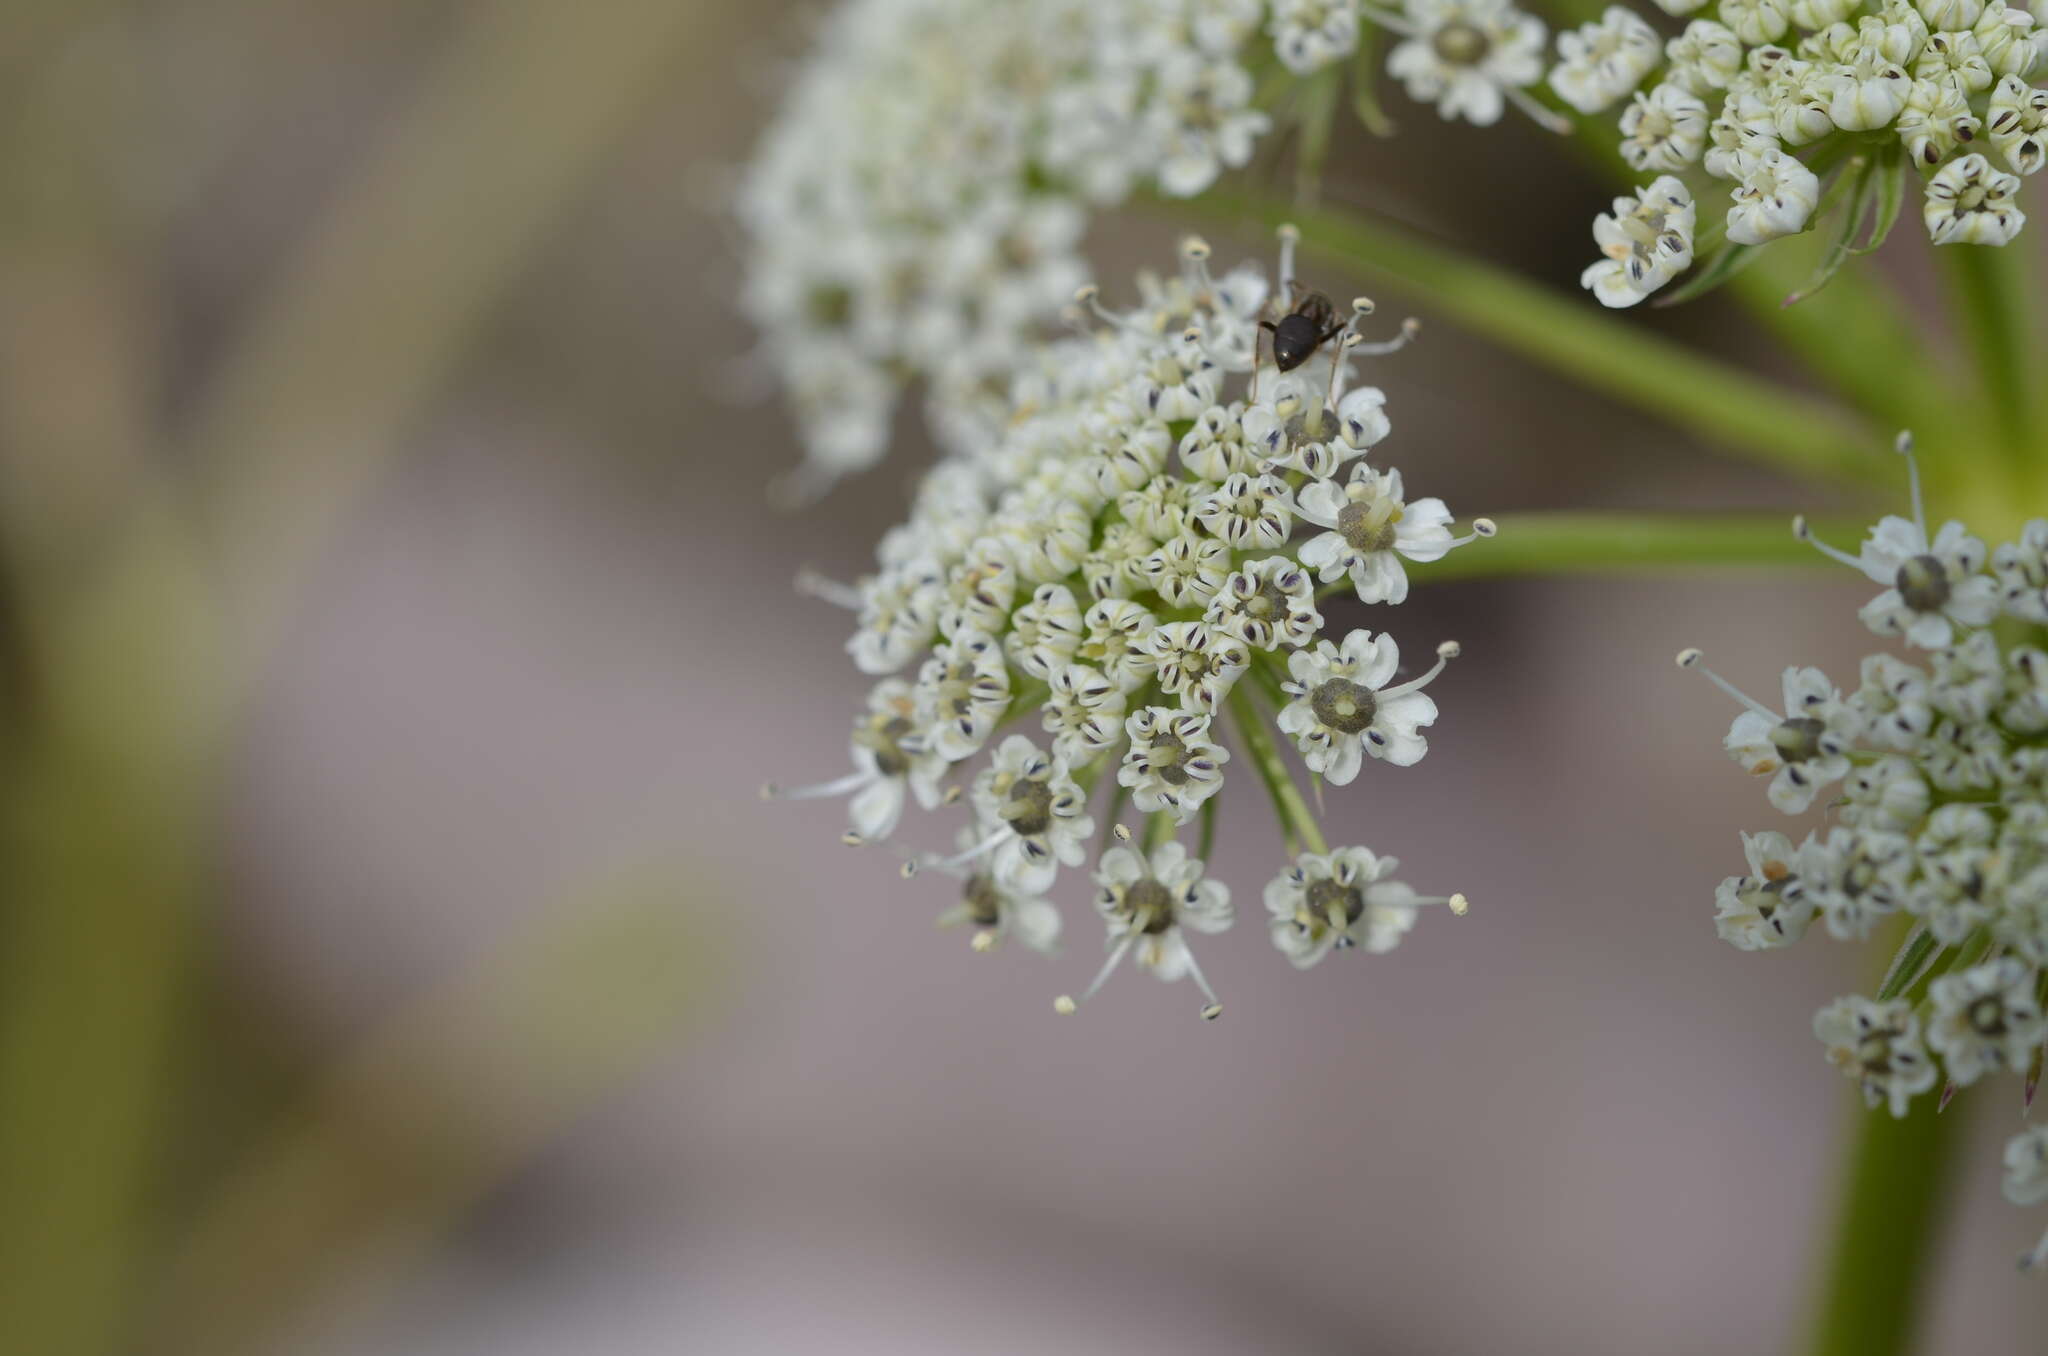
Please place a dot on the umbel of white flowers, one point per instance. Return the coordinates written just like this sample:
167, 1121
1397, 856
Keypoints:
1799, 106
916, 208
1936, 777
1128, 579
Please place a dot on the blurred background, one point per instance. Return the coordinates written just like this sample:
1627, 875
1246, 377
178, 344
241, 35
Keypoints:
395, 956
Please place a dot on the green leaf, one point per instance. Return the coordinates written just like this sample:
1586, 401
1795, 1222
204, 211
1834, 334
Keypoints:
1727, 261
1365, 95
1862, 194
1891, 195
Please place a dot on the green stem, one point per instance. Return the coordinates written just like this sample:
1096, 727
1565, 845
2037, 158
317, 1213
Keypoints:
1295, 816
1886, 1230
1570, 335
1992, 319
1615, 542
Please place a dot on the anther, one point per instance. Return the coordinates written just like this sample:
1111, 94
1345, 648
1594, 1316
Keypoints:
1288, 232
951, 795
769, 790
1410, 327
1459, 904
908, 869
1800, 530
1363, 305
852, 839
1121, 832
1450, 649
1689, 657
1064, 1005
1484, 527
1194, 247
1212, 1012
984, 940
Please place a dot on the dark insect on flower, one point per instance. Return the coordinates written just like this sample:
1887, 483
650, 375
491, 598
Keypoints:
1311, 324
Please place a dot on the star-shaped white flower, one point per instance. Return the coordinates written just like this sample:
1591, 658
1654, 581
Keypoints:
1343, 708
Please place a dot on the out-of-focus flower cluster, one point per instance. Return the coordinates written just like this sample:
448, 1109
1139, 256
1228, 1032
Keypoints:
1804, 107
1934, 774
916, 208
1126, 573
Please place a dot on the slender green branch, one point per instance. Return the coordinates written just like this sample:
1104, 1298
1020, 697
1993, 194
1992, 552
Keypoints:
1568, 334
1591, 543
1295, 816
1991, 307
1886, 1229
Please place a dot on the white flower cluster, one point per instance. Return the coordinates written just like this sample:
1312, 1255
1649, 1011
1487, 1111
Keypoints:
1740, 96
1132, 568
916, 207
1938, 771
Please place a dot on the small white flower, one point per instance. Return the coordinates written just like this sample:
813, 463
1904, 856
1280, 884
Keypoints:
1084, 713
1970, 203
1250, 513
995, 911
1755, 21
1033, 817
1267, 604
962, 691
1933, 586
1802, 750
1214, 448
1647, 241
1768, 908
2007, 39
1201, 119
1954, 59
1986, 1020
1950, 14
1196, 662
1878, 1045
1935, 120
1889, 794
1704, 58
1171, 765
1601, 62
891, 756
1465, 55
1678, 9
980, 590
2021, 568
899, 615
1892, 703
1967, 678
1045, 632
2025, 708
1345, 898
1187, 571
1112, 630
2026, 1166
1867, 88
1362, 418
1310, 34
2017, 123
1856, 878
1149, 901
1370, 530
1111, 570
1775, 198
1343, 708
1816, 15
1665, 129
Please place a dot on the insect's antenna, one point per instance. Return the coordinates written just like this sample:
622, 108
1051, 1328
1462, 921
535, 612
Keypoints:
1251, 397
